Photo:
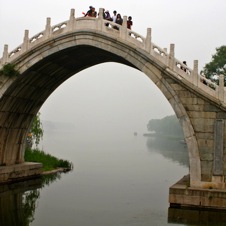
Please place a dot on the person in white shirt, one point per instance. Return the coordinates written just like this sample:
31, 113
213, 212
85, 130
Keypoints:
114, 16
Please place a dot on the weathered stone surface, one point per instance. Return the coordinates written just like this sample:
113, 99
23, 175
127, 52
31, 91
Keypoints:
221, 115
193, 107
206, 169
206, 156
210, 107
218, 147
202, 114
205, 136
185, 196
19, 171
189, 100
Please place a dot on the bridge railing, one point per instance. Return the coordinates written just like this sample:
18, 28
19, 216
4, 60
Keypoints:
179, 69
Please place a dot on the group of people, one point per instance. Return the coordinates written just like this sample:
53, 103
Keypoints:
116, 18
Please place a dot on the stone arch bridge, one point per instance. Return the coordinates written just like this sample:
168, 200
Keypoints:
52, 56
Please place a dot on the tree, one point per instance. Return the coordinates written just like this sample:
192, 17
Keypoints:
217, 66
36, 131
168, 125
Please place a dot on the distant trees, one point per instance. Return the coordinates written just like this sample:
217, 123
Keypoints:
168, 125
217, 66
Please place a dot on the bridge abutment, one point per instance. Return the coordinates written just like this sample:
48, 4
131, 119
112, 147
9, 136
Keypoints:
21, 171
183, 196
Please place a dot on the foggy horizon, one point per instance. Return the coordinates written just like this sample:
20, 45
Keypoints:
124, 100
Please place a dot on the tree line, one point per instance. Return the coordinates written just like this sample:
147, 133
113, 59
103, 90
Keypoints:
168, 125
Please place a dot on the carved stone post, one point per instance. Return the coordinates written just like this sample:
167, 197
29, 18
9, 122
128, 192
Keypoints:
71, 20
123, 28
195, 73
148, 41
25, 45
171, 59
100, 19
5, 56
48, 31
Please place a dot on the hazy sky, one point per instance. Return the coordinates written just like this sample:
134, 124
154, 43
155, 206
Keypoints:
110, 94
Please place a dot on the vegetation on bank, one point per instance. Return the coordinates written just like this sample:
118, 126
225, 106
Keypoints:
49, 162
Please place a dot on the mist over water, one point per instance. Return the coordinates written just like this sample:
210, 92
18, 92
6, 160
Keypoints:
117, 180
107, 98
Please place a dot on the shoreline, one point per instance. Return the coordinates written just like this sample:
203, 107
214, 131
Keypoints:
58, 170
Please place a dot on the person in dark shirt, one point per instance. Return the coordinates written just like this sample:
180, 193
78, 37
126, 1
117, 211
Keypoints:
129, 22
118, 21
91, 12
107, 15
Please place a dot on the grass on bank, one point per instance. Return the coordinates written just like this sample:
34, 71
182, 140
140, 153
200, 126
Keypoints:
48, 161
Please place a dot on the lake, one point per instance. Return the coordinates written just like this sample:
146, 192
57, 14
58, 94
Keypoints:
121, 180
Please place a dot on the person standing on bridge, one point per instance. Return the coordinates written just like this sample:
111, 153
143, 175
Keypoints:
129, 22
88, 12
107, 17
114, 16
91, 12
119, 21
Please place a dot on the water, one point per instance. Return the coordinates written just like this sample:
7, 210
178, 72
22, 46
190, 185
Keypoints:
119, 181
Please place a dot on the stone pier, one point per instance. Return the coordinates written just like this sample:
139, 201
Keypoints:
181, 195
18, 172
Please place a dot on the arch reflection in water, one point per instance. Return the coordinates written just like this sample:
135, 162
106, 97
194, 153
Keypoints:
196, 217
170, 147
18, 201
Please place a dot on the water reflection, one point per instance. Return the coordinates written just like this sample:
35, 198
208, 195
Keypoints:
170, 148
123, 183
18, 201
196, 217
176, 150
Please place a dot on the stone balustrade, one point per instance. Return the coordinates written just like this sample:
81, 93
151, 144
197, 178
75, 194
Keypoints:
131, 37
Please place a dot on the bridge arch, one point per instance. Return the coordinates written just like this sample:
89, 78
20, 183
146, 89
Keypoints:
48, 59
55, 61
